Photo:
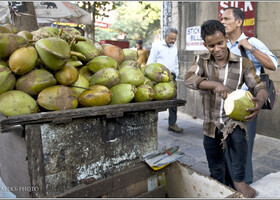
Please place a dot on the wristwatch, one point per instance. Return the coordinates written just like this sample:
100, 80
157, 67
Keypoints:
253, 49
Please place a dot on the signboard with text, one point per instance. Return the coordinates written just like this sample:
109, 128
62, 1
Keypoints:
248, 9
193, 39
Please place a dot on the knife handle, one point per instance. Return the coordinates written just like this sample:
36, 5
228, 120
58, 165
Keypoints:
172, 151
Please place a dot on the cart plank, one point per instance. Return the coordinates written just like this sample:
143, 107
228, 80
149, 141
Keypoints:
108, 110
112, 185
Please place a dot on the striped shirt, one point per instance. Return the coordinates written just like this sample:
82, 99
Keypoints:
237, 71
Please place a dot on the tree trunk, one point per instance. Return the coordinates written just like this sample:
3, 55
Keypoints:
24, 17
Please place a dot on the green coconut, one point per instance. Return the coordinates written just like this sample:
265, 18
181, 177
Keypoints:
86, 72
131, 75
10, 42
142, 68
131, 63
4, 29
130, 54
75, 63
101, 62
86, 48
67, 75
99, 95
35, 81
45, 32
73, 58
158, 73
80, 85
164, 91
7, 79
122, 93
144, 93
57, 97
14, 102
54, 52
108, 77
23, 60
4, 63
12, 28
148, 82
68, 34
236, 104
114, 52
26, 34
99, 47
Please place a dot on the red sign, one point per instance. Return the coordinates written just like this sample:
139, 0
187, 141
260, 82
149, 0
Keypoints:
121, 44
101, 24
248, 9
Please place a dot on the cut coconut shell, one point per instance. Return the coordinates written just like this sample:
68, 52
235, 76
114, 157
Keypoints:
236, 104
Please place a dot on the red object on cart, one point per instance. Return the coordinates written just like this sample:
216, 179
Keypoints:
120, 43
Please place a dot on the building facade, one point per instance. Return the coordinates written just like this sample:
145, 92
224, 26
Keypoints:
266, 28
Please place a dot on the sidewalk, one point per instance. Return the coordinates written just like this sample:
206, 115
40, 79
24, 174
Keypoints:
266, 152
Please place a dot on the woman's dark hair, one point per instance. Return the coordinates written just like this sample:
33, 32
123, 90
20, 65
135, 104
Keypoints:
210, 27
237, 13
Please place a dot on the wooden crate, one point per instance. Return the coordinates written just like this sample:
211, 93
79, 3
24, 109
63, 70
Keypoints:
174, 181
47, 154
184, 182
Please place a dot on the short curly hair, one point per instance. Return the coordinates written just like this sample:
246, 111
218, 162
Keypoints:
210, 27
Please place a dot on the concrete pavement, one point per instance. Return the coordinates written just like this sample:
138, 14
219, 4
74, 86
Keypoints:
266, 152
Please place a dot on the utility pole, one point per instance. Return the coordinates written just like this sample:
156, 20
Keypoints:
166, 13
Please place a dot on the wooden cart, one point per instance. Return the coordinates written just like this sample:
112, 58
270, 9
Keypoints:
95, 152
48, 153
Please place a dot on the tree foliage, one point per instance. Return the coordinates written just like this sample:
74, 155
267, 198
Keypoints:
138, 20
101, 8
97, 9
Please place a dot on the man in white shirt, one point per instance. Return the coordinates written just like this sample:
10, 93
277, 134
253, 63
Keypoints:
260, 55
165, 53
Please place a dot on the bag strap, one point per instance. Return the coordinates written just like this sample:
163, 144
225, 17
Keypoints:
242, 50
243, 54
262, 70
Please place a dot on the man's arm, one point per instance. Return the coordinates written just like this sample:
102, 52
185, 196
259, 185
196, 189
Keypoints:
216, 87
259, 101
152, 56
263, 58
195, 79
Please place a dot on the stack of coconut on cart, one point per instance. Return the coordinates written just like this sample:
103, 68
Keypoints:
58, 69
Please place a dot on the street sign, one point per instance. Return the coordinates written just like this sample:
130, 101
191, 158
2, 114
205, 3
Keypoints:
193, 39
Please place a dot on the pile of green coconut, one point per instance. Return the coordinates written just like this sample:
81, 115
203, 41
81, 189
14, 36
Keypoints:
55, 69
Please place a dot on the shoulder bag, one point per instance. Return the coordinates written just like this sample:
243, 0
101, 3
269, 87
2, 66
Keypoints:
264, 77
